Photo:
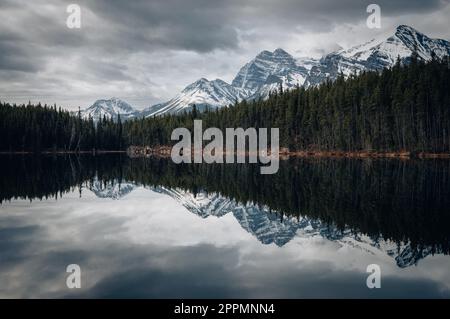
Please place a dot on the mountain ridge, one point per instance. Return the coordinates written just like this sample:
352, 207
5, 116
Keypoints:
267, 226
110, 108
270, 70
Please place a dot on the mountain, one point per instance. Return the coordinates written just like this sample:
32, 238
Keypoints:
114, 190
259, 221
256, 79
269, 227
202, 93
378, 53
268, 70
111, 108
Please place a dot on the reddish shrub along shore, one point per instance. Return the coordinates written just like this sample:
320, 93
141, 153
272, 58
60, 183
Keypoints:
166, 150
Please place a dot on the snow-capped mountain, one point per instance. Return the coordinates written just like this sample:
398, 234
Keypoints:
268, 70
256, 79
259, 221
202, 93
268, 226
379, 53
111, 108
113, 190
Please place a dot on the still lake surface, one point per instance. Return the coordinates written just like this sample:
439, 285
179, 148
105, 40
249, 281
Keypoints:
152, 229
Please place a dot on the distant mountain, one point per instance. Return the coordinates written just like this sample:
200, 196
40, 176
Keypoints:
268, 70
111, 108
268, 226
378, 53
202, 93
256, 79
114, 191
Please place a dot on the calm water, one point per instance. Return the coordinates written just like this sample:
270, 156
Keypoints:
150, 228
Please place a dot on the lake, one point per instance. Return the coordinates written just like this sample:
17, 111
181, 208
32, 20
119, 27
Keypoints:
148, 228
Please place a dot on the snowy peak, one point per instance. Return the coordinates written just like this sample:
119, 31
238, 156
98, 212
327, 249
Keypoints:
268, 68
210, 87
114, 190
203, 94
110, 108
307, 62
379, 53
280, 52
403, 42
424, 46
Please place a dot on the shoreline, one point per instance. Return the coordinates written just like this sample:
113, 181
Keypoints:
365, 154
164, 151
61, 152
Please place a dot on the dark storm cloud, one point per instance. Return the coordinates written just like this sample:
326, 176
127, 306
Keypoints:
14, 56
198, 25
26, 45
195, 25
103, 70
205, 25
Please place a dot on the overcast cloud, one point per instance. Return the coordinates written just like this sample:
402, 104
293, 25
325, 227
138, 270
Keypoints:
146, 51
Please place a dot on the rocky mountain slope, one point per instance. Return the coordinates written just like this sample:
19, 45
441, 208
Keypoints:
269, 227
268, 70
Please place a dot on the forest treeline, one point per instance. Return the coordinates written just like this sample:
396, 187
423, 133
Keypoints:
36, 128
404, 108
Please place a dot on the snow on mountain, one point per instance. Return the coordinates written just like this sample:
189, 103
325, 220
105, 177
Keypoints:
307, 63
258, 221
270, 227
268, 70
202, 93
379, 53
256, 79
113, 190
111, 108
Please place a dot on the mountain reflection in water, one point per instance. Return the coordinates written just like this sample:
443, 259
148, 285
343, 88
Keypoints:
390, 207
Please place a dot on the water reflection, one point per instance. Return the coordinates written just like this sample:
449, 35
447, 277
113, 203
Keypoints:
136, 229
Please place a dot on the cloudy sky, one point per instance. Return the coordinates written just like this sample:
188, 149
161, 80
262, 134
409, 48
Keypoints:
147, 51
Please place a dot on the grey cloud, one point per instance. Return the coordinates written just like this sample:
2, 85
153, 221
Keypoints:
102, 71
16, 53
196, 25
202, 26
27, 46
323, 15
7, 4
201, 271
15, 58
